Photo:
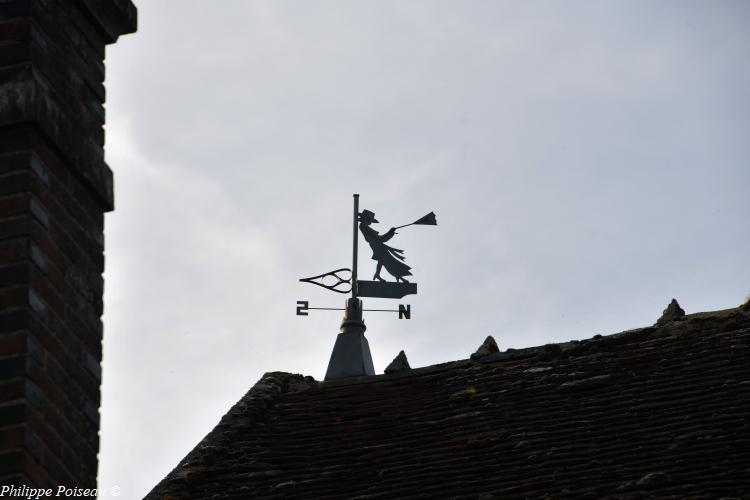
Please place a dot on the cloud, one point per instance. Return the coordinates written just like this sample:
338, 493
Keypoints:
586, 162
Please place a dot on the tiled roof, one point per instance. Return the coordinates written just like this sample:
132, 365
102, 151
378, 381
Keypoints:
658, 411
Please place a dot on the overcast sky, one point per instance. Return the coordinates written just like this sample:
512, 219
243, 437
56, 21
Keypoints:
587, 161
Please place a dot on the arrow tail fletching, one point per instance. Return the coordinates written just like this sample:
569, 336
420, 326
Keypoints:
318, 280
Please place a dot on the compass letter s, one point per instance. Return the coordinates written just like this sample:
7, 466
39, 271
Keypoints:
302, 307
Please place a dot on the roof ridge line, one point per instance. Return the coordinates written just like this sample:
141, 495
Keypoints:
554, 349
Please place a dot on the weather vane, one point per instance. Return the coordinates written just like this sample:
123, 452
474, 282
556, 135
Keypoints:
344, 280
351, 353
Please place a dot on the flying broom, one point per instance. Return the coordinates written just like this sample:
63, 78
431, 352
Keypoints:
427, 220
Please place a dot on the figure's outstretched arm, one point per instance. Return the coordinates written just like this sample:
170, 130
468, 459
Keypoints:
387, 236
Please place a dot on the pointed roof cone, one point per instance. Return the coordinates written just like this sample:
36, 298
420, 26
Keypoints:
399, 364
673, 312
488, 347
351, 353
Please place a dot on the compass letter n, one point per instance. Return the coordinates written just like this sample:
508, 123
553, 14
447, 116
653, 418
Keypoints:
404, 312
302, 307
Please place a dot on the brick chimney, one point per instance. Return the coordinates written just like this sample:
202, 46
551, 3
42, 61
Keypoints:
54, 190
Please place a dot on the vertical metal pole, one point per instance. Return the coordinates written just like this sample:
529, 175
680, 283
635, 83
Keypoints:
354, 250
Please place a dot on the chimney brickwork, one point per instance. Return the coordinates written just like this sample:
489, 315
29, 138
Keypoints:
54, 190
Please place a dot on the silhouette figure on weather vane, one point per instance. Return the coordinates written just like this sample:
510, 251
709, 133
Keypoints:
386, 256
392, 259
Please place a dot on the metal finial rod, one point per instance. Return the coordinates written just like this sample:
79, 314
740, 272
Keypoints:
354, 248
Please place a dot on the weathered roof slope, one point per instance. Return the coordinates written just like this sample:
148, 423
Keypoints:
662, 411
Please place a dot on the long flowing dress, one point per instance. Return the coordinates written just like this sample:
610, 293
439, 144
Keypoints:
391, 258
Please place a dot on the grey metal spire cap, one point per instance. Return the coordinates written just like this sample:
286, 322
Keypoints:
351, 354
